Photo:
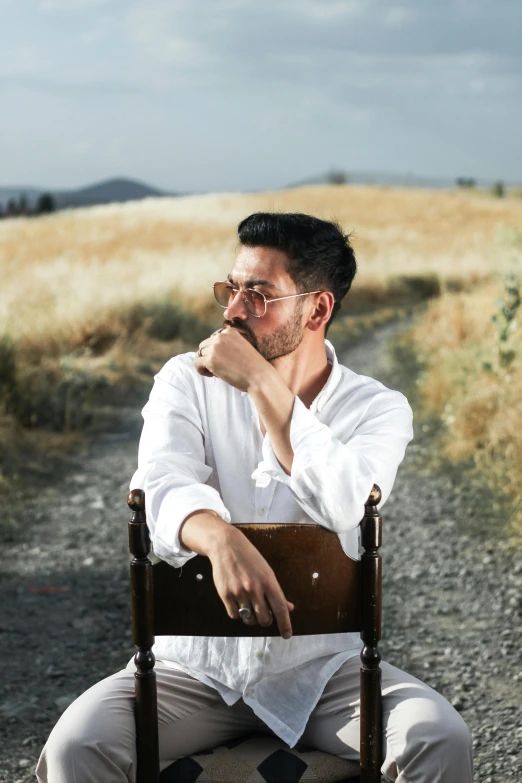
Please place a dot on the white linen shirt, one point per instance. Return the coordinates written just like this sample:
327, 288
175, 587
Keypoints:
202, 448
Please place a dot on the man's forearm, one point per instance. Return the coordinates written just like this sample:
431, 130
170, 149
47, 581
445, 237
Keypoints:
203, 531
275, 403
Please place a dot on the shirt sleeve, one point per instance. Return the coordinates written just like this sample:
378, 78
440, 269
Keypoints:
171, 463
332, 480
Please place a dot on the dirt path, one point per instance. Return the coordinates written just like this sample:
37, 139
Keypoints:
453, 607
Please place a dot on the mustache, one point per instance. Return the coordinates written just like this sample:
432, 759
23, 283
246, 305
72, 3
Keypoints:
239, 326
245, 331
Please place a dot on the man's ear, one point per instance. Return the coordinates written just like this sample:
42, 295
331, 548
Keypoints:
322, 311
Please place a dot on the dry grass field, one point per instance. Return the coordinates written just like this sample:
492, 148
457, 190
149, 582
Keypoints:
99, 295
67, 270
466, 385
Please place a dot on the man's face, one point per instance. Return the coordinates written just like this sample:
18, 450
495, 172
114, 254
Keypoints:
280, 330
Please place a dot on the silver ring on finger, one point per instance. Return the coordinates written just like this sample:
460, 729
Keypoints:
245, 612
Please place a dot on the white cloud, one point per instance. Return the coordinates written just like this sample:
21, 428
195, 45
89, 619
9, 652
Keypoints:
26, 59
179, 51
477, 85
71, 5
112, 150
149, 22
300, 75
166, 36
91, 37
330, 10
398, 16
80, 148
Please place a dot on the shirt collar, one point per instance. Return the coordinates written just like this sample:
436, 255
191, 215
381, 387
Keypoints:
333, 379
331, 383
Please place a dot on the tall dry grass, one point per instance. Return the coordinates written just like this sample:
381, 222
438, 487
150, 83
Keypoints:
64, 271
102, 295
464, 384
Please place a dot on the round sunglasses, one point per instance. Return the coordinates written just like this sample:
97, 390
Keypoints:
255, 301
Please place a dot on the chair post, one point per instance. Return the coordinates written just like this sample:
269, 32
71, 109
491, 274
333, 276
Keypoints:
371, 584
146, 708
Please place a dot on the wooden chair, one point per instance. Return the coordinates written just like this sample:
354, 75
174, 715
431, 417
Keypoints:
332, 593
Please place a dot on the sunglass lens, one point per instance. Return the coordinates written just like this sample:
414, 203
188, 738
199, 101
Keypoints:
224, 294
255, 302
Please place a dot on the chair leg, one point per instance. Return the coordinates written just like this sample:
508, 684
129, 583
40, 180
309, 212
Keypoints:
142, 600
146, 715
371, 722
371, 696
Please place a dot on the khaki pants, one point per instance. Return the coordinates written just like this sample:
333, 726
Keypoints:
425, 738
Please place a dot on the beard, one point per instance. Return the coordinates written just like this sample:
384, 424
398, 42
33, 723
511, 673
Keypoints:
283, 341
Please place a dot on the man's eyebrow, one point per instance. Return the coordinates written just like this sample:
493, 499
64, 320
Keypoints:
250, 283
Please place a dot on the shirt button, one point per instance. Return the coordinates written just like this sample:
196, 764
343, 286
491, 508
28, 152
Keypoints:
249, 693
261, 512
258, 654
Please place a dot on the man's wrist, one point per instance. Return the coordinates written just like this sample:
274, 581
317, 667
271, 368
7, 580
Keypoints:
203, 531
274, 403
263, 382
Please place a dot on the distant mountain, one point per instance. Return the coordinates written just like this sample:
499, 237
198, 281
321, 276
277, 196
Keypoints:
106, 192
389, 179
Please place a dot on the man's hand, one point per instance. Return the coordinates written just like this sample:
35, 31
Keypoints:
244, 578
230, 356
241, 574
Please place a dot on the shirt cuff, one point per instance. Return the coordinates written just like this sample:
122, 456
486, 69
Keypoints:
175, 508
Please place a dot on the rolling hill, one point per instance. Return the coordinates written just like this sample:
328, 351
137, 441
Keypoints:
106, 192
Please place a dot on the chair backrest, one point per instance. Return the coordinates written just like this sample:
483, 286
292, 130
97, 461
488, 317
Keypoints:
331, 592
310, 565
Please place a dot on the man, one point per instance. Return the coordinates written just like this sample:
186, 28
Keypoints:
264, 424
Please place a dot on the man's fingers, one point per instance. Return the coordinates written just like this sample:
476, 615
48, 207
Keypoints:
263, 613
244, 579
283, 621
232, 607
280, 609
207, 341
204, 371
260, 610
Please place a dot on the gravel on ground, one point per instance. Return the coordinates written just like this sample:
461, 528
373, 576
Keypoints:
452, 591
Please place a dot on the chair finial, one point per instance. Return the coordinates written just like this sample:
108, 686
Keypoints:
136, 500
375, 496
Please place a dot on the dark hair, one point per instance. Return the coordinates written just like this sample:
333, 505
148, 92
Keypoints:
319, 253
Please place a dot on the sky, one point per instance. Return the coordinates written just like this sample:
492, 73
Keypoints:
228, 95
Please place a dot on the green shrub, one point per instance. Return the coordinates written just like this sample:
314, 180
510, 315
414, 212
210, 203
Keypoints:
415, 287
498, 189
7, 372
506, 324
56, 398
166, 321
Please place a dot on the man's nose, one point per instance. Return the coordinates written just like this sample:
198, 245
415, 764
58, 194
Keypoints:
236, 308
